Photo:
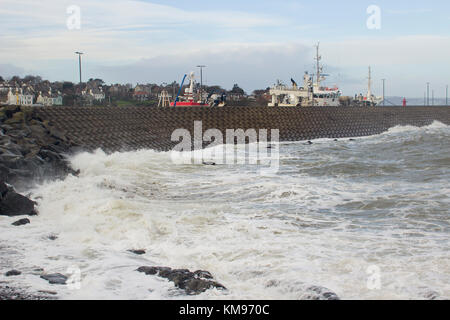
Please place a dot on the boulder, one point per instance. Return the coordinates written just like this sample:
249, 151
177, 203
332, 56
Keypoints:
13, 273
17, 117
13, 204
138, 252
191, 282
319, 293
21, 222
302, 290
3, 189
55, 278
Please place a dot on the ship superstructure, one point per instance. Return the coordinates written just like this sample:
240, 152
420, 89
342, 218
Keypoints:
312, 93
370, 100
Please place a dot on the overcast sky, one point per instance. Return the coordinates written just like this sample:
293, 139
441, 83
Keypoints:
252, 43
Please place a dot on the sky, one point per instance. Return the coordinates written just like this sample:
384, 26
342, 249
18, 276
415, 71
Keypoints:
251, 43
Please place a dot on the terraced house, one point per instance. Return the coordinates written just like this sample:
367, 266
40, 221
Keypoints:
20, 97
49, 98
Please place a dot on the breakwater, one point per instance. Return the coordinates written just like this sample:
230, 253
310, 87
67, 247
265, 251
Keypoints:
130, 128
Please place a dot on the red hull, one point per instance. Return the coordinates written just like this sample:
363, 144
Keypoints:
189, 104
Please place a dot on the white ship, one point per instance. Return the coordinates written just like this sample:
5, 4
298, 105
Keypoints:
369, 100
311, 94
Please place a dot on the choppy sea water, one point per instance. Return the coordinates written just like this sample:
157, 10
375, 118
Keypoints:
368, 219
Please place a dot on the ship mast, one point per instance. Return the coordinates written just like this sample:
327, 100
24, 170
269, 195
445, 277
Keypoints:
369, 89
319, 68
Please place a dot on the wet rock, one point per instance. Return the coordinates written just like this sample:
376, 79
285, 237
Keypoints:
209, 163
17, 117
55, 278
3, 189
52, 237
309, 142
432, 295
302, 291
31, 149
21, 222
138, 252
13, 204
192, 282
319, 293
13, 273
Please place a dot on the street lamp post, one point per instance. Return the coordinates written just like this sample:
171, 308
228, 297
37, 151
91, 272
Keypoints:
428, 93
201, 80
384, 82
79, 62
446, 95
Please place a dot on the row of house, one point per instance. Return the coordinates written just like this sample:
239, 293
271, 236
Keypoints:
26, 97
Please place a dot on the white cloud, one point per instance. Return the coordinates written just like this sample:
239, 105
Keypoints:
250, 65
409, 11
405, 50
115, 30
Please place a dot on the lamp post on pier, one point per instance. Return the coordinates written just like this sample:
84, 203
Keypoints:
79, 62
201, 80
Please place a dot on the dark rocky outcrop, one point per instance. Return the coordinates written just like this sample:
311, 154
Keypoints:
31, 149
192, 282
55, 278
138, 252
319, 293
13, 204
21, 222
303, 291
12, 273
432, 295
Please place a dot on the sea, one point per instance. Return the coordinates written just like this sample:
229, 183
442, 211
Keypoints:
367, 218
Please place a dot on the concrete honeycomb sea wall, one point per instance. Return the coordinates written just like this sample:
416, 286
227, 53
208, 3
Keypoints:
131, 128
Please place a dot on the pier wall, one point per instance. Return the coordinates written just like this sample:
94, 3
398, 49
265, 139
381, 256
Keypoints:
131, 128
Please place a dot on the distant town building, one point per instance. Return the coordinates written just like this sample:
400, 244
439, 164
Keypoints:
92, 95
49, 98
20, 97
143, 88
141, 96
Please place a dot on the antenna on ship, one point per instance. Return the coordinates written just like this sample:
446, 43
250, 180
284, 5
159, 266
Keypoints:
318, 66
369, 88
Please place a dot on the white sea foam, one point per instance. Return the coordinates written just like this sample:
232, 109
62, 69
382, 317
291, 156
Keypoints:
334, 210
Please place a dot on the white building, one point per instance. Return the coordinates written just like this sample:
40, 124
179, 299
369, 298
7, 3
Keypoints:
19, 98
49, 98
96, 94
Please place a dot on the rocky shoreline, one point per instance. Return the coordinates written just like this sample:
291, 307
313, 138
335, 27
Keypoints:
32, 150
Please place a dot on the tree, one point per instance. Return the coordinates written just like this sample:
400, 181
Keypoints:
67, 86
1, 79
237, 90
16, 79
214, 89
32, 79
